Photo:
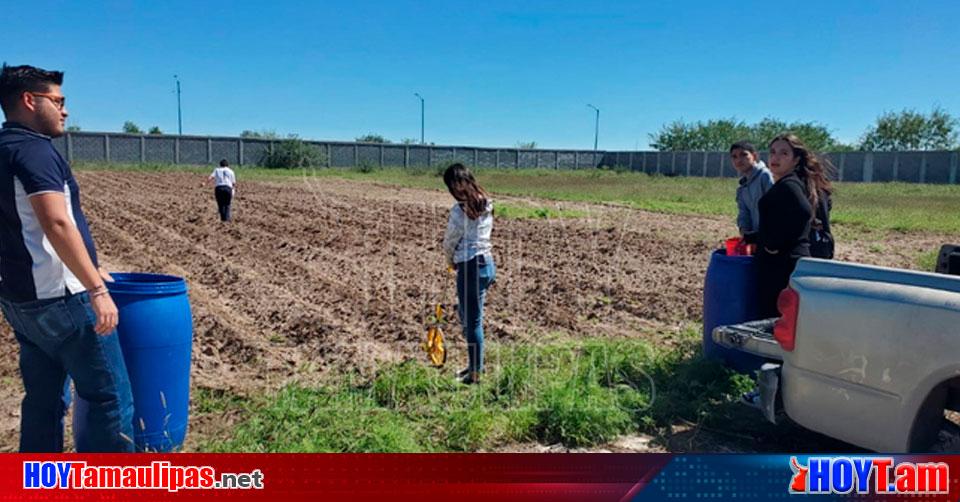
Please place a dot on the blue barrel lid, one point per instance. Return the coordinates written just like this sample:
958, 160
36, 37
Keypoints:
721, 255
137, 283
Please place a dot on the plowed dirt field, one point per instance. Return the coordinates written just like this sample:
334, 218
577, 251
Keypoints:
316, 275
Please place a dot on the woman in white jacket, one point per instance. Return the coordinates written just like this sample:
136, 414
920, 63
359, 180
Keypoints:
467, 248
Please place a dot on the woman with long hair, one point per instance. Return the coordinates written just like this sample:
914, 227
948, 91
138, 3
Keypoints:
467, 248
787, 212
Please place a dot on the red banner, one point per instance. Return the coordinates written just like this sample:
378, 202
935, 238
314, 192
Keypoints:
294, 477
498, 477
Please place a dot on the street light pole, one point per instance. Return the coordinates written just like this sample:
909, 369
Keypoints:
179, 114
596, 128
417, 94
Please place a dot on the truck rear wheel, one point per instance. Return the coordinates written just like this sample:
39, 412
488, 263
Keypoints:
925, 434
948, 438
936, 428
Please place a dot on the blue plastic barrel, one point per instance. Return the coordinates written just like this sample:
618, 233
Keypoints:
156, 335
729, 297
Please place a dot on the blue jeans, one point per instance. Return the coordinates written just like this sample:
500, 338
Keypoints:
473, 279
57, 339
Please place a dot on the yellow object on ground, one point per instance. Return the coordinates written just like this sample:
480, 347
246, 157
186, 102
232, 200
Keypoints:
434, 346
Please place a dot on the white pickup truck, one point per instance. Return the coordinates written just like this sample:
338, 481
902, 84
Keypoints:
868, 355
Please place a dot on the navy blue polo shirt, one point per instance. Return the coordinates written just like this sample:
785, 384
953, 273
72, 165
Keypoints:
29, 267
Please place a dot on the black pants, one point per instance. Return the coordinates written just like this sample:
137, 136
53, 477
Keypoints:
773, 276
224, 195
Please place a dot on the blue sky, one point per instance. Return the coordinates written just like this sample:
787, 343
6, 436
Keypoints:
492, 73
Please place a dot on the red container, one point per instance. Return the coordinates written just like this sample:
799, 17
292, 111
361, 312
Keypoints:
737, 247
733, 245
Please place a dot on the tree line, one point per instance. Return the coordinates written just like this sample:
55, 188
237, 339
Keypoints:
893, 131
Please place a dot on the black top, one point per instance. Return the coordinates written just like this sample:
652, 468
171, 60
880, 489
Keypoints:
785, 217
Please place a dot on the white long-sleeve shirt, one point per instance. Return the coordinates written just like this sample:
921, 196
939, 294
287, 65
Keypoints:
467, 238
223, 176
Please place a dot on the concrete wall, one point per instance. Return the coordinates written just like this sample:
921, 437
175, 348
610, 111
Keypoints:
909, 167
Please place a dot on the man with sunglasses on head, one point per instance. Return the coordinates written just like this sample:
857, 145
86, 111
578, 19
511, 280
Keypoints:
52, 291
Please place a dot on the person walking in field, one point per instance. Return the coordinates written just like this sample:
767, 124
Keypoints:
225, 187
467, 248
52, 289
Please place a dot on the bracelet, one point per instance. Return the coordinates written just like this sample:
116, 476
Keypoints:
99, 291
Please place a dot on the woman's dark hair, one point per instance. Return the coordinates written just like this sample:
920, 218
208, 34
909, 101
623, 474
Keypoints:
815, 172
463, 187
223, 163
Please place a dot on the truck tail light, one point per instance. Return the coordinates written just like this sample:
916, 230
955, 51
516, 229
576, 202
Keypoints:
785, 329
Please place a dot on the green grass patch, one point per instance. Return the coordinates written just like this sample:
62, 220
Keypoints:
302, 419
517, 212
870, 206
206, 400
576, 393
927, 261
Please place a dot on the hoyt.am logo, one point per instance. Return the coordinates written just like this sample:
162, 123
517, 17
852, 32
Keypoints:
877, 475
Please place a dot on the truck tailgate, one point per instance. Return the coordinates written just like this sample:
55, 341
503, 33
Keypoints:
754, 337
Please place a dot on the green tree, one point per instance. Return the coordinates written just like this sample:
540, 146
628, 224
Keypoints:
526, 145
293, 152
713, 135
131, 128
155, 130
815, 135
911, 130
372, 138
73, 128
843, 147
719, 134
409, 141
263, 134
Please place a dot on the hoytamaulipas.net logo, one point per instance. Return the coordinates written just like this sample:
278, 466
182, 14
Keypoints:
159, 475
868, 475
